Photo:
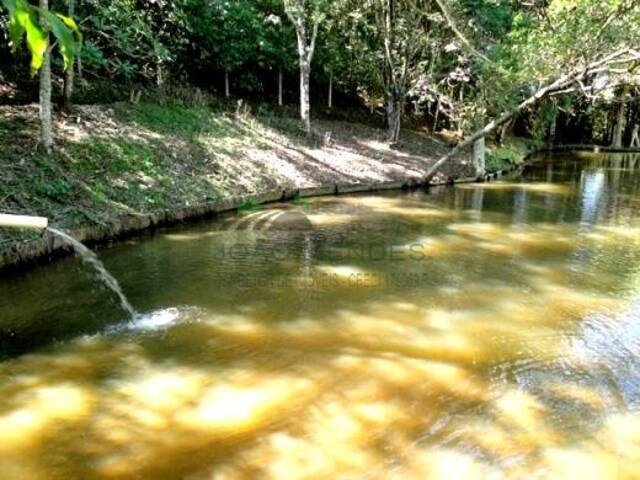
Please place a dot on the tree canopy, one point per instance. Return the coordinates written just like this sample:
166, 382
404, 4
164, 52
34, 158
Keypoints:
444, 64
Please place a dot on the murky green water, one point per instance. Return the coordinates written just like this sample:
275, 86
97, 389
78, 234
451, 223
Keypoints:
482, 331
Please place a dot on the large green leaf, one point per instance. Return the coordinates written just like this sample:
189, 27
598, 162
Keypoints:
36, 39
24, 21
66, 41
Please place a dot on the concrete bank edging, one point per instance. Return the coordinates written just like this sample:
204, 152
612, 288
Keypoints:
48, 247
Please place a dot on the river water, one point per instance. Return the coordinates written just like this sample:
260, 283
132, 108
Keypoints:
482, 331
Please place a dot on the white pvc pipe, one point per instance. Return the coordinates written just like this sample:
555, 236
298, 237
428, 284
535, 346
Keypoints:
23, 221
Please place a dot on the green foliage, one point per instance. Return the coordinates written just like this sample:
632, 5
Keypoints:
277, 39
226, 32
512, 49
545, 114
28, 21
23, 21
132, 40
498, 158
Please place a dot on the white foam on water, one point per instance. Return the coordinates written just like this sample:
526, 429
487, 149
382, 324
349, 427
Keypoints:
155, 320
158, 320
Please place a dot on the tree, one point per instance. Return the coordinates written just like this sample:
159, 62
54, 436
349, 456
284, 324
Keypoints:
306, 16
621, 118
46, 119
350, 51
67, 95
562, 84
236, 34
277, 52
586, 49
144, 41
227, 33
36, 23
392, 39
400, 25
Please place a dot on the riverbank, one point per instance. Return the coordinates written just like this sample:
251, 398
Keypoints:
123, 168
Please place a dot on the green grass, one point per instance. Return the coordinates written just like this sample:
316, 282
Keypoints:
172, 118
112, 156
154, 159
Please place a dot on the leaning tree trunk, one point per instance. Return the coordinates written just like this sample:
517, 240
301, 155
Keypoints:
491, 126
555, 87
305, 102
280, 99
67, 94
46, 120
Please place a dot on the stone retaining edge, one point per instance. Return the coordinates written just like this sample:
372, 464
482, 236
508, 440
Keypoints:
48, 247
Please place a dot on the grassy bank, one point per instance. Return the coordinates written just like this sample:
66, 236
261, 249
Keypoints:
127, 160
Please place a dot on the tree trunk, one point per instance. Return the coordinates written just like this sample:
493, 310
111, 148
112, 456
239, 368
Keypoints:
227, 90
619, 127
553, 128
159, 74
305, 103
478, 157
46, 120
330, 97
394, 118
635, 137
67, 94
280, 99
502, 132
436, 116
306, 47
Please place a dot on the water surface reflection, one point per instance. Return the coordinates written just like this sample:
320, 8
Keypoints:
484, 331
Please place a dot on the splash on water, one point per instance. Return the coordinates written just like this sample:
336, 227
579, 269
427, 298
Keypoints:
90, 258
155, 320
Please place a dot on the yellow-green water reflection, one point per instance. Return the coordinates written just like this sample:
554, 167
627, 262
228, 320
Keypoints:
486, 331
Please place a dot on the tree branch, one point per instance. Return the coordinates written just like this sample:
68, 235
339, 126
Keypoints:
560, 83
452, 24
